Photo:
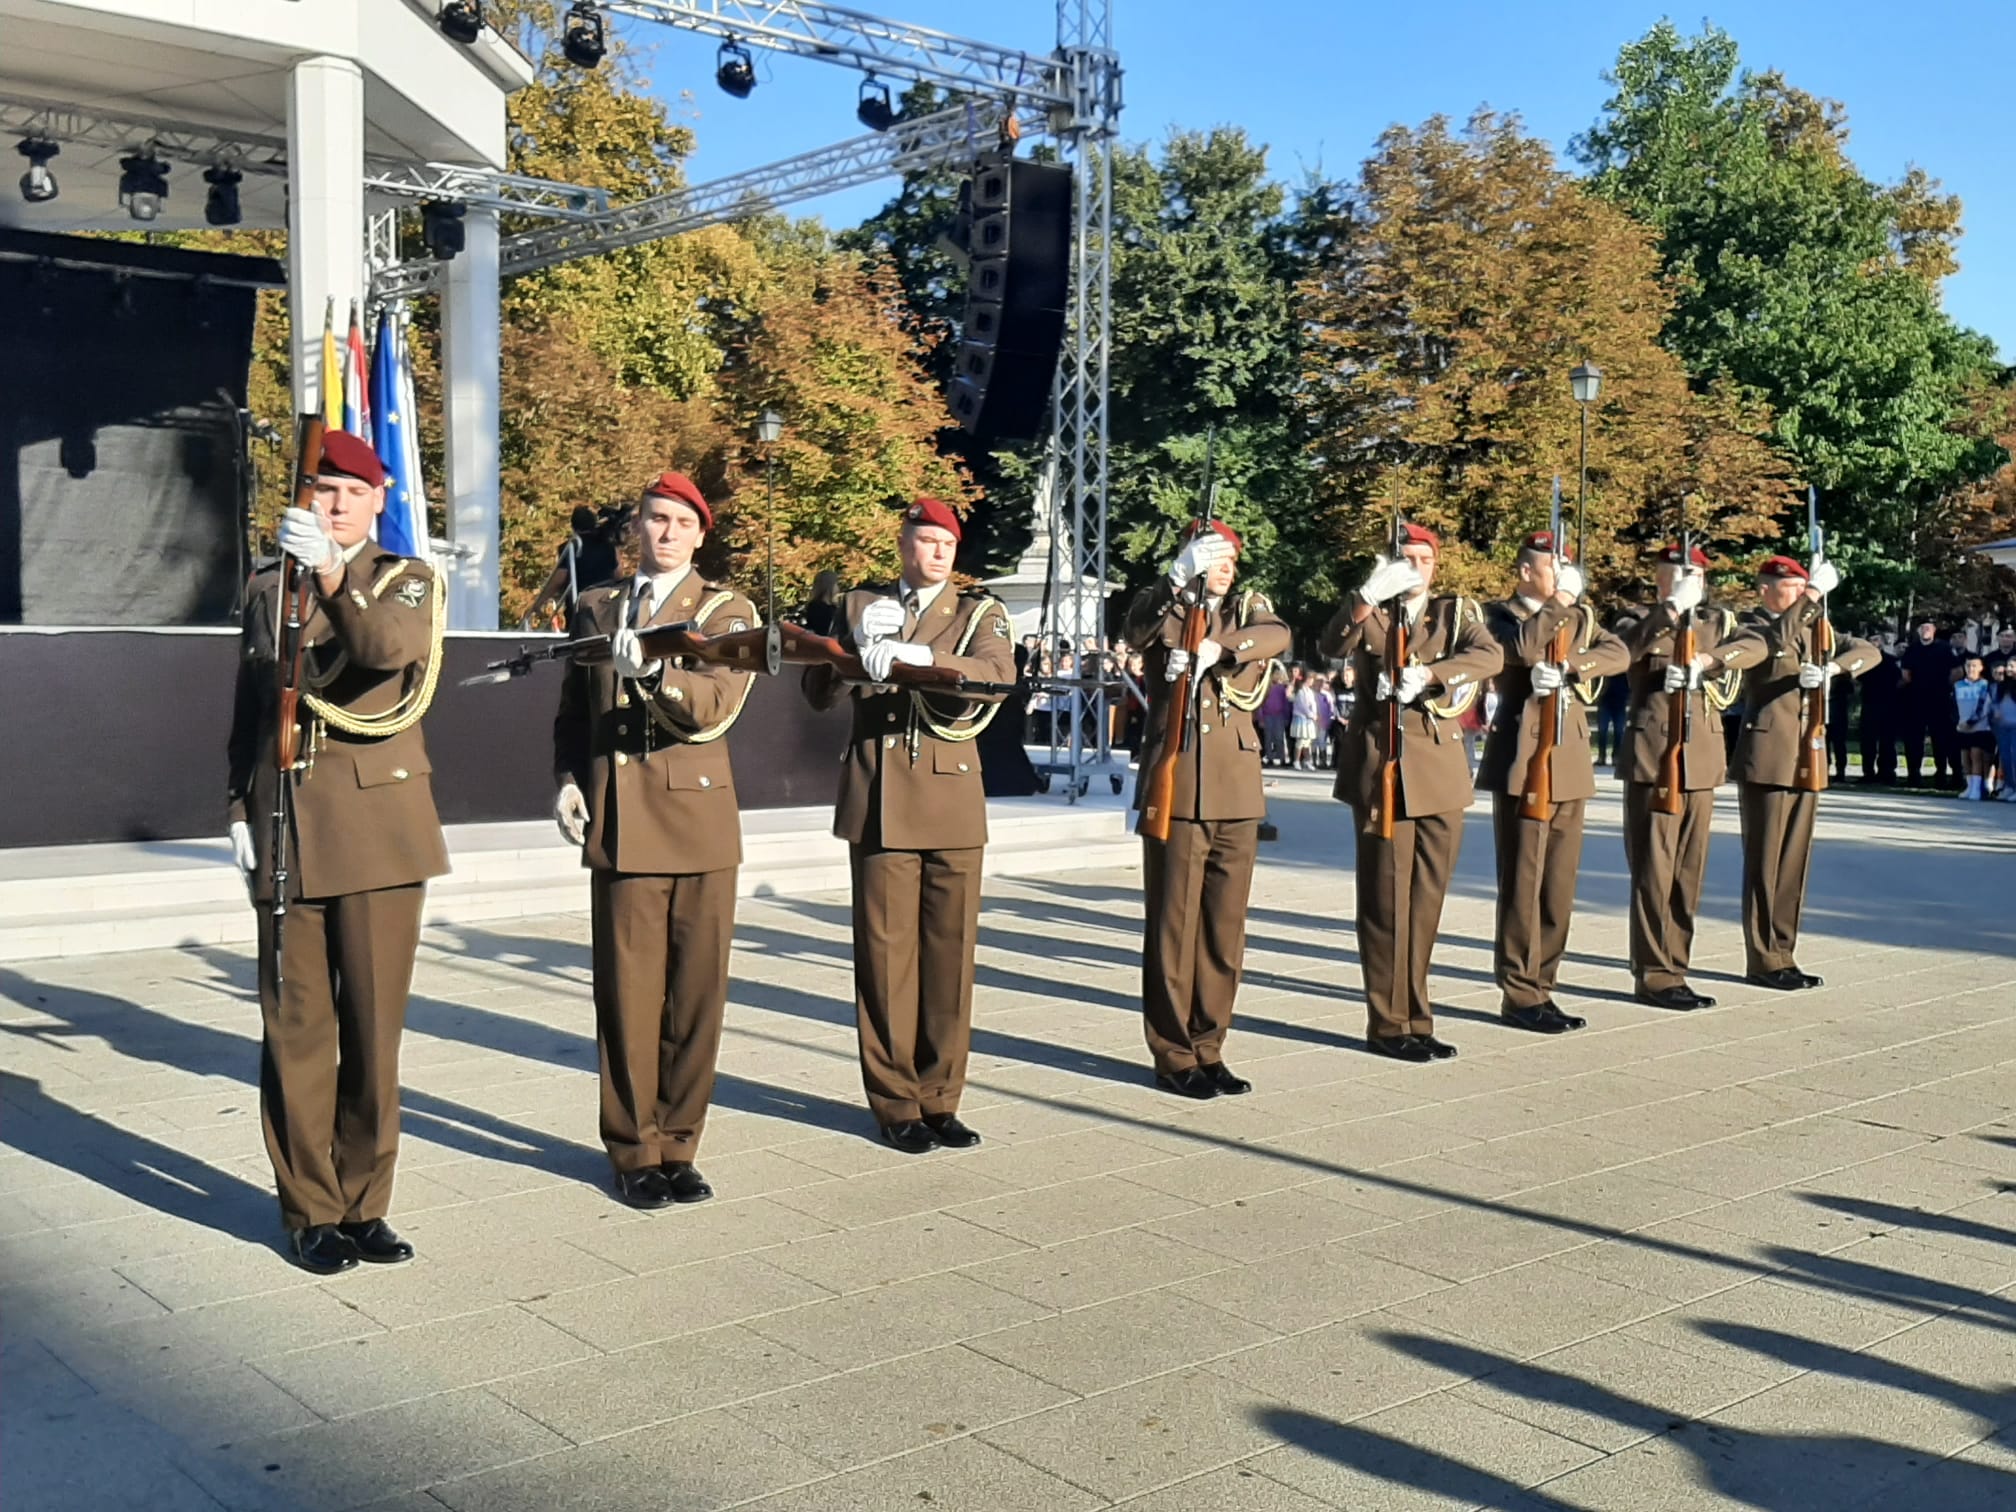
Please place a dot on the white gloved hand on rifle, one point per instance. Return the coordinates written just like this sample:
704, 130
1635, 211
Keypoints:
880, 619
1209, 654
1816, 674
1548, 677
1413, 683
1389, 580
627, 652
1823, 577
1687, 591
304, 535
877, 657
242, 849
570, 812
1203, 552
1678, 677
1568, 579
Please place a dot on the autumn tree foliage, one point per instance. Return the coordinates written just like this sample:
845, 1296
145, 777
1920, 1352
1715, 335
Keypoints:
1452, 290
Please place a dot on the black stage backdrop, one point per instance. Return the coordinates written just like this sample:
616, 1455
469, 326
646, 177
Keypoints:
119, 735
122, 369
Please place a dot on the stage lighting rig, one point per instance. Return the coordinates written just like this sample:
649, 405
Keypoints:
220, 205
875, 111
735, 69
461, 20
143, 184
582, 39
38, 184
442, 230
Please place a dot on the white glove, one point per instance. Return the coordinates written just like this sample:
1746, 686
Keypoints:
882, 618
1687, 591
1678, 677
1823, 577
1389, 580
627, 652
1816, 674
570, 812
1568, 579
1383, 689
242, 850
1547, 678
878, 656
305, 538
1179, 663
1413, 683
1204, 552
1209, 653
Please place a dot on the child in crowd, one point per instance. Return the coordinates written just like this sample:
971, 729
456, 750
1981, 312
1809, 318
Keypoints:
1971, 697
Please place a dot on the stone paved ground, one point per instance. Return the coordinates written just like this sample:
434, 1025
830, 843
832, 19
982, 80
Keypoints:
1763, 1256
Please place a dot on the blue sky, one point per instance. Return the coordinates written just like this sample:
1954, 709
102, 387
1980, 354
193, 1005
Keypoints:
1317, 82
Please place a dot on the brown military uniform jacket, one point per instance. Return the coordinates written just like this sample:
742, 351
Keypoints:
1527, 636
363, 805
1218, 776
649, 756
1704, 759
1451, 639
1767, 749
902, 786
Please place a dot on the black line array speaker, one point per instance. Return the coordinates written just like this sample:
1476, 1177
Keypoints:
1019, 279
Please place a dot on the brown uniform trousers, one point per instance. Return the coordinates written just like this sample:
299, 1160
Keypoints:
1667, 854
663, 845
364, 840
1538, 859
1199, 880
1402, 882
913, 811
1777, 818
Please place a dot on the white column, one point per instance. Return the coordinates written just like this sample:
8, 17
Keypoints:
325, 191
471, 368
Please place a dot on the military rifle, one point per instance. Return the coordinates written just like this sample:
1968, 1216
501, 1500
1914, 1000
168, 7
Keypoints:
1536, 797
1668, 793
290, 617
1395, 657
1158, 796
1811, 775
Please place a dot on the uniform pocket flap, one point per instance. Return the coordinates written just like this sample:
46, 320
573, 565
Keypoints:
696, 769
954, 759
379, 766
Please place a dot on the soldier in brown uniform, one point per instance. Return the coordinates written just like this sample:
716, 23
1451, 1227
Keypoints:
1538, 858
1198, 880
647, 792
1403, 881
1668, 853
1778, 817
914, 815
363, 842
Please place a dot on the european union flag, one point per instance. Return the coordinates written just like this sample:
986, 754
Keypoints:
403, 526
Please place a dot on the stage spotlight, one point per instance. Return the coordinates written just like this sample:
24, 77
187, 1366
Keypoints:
582, 41
220, 206
461, 20
875, 111
38, 184
441, 228
735, 72
143, 184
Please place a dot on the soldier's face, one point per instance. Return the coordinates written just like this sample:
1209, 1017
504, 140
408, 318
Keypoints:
1421, 557
927, 554
668, 533
1218, 580
1537, 574
1780, 594
349, 505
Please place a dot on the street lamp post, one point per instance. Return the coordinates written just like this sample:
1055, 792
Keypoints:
1586, 383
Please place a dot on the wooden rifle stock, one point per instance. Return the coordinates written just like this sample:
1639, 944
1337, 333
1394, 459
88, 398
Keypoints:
1389, 765
290, 617
1811, 775
1668, 795
1158, 794
1536, 792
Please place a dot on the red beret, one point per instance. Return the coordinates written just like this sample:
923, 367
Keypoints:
1197, 527
1669, 555
676, 485
933, 512
1540, 540
1781, 567
348, 456
1419, 535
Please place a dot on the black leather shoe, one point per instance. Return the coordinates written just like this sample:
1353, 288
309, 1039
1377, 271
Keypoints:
1437, 1049
1567, 1021
1541, 1018
1223, 1081
1680, 998
685, 1182
647, 1189
375, 1242
949, 1132
1784, 979
1808, 979
1403, 1047
323, 1249
913, 1136
1191, 1081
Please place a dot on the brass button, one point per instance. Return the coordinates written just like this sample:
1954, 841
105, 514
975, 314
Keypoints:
674, 694
622, 700
399, 774
892, 718
1205, 728
889, 741
962, 766
359, 600
706, 782
621, 759
622, 729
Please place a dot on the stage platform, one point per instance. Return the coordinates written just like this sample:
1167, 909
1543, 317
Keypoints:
86, 900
